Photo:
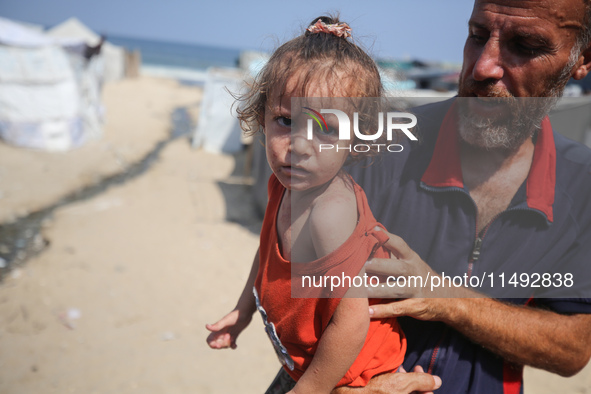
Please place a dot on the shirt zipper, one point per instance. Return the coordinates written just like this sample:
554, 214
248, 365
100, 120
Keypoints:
436, 351
474, 256
476, 249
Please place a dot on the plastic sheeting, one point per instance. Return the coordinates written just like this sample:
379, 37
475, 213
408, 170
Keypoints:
49, 98
113, 57
218, 129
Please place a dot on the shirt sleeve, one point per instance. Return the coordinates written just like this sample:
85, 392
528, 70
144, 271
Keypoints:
569, 289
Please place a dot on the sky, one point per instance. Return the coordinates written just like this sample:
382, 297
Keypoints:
400, 29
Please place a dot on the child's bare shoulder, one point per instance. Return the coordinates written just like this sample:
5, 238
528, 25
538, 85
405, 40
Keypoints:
333, 217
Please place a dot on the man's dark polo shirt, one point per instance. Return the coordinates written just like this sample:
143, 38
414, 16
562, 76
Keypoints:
419, 195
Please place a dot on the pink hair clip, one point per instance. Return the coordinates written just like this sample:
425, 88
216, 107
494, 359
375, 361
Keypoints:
340, 29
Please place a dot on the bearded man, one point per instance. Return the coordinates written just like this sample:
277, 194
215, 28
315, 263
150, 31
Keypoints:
493, 189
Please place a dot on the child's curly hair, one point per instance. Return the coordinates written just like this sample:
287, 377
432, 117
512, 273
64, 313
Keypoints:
315, 56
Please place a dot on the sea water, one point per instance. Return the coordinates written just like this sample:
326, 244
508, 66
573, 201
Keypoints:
178, 60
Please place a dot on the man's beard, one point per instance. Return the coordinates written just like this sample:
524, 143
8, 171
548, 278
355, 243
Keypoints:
517, 118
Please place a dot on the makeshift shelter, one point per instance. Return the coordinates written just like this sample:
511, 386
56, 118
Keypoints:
218, 129
48, 98
111, 56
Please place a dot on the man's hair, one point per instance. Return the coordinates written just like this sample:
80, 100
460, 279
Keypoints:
584, 38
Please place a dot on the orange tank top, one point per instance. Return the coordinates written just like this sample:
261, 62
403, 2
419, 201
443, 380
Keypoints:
295, 325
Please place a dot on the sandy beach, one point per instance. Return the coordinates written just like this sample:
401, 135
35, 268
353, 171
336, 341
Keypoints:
118, 300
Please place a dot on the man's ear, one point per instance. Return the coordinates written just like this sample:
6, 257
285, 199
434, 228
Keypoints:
583, 65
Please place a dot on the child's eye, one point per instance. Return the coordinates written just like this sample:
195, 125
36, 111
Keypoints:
329, 131
284, 121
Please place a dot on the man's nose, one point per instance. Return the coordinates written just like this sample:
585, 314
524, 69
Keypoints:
489, 63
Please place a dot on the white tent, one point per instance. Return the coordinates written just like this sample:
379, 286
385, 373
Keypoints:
113, 56
45, 103
218, 129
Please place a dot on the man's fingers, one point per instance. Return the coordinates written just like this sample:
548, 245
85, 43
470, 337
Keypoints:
422, 382
406, 307
385, 291
398, 247
420, 369
379, 311
398, 383
428, 309
391, 266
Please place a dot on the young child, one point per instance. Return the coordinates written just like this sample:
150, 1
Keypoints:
317, 221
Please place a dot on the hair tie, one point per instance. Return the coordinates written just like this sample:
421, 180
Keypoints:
339, 29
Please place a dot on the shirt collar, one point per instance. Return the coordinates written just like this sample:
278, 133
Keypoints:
445, 169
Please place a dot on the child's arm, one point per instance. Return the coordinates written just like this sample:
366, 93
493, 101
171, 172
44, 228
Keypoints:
332, 221
338, 348
225, 331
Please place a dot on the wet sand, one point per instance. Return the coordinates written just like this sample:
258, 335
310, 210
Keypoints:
118, 300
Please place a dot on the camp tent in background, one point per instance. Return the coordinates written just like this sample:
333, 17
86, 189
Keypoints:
113, 57
49, 98
218, 129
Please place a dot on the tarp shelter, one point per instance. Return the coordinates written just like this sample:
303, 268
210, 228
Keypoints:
218, 129
49, 98
112, 57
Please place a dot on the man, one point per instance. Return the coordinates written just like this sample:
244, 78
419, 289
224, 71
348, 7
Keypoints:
472, 197
481, 196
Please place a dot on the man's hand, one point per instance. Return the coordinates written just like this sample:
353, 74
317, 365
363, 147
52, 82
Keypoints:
420, 302
397, 383
519, 334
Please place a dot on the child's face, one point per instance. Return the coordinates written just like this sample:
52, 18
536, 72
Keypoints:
298, 162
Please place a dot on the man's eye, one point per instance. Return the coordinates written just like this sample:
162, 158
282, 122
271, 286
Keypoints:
283, 121
479, 39
528, 49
